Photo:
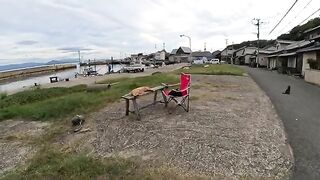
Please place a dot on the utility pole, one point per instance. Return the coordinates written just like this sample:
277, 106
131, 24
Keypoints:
227, 50
79, 56
205, 46
257, 23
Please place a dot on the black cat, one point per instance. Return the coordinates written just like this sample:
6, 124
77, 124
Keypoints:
287, 90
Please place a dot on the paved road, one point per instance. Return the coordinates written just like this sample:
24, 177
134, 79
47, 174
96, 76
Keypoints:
300, 113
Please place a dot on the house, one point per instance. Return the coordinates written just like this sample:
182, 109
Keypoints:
227, 54
288, 59
244, 55
262, 58
201, 55
216, 54
312, 34
272, 58
160, 55
311, 56
138, 58
172, 57
182, 54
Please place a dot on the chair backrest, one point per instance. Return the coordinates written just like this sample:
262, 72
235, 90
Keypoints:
185, 81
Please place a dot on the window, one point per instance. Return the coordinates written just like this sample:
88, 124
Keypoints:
292, 62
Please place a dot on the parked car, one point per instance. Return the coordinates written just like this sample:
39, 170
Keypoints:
198, 61
133, 68
215, 61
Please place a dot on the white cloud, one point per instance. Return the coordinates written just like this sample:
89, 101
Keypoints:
32, 29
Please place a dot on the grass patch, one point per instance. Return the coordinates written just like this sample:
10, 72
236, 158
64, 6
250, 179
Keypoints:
2, 96
35, 95
214, 69
55, 103
51, 164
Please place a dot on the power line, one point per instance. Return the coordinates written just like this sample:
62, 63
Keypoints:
283, 16
309, 16
296, 15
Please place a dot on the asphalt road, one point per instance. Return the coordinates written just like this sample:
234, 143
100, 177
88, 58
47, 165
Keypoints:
300, 113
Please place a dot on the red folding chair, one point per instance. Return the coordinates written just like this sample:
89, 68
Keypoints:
179, 96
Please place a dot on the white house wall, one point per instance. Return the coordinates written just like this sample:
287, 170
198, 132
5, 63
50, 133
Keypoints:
247, 59
263, 60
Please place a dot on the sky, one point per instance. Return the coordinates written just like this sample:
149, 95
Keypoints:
43, 30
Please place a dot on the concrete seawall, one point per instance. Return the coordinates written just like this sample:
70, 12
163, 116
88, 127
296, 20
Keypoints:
34, 70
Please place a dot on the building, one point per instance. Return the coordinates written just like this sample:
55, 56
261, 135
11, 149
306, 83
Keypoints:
182, 54
244, 55
216, 54
227, 54
138, 58
288, 59
201, 55
160, 55
311, 56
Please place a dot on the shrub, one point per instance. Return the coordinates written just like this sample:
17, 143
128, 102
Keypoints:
313, 64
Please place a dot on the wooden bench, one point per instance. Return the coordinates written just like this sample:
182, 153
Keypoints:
129, 97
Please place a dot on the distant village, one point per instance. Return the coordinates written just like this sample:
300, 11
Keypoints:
287, 57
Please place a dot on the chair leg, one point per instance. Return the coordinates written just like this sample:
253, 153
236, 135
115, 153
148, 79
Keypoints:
165, 100
184, 103
188, 106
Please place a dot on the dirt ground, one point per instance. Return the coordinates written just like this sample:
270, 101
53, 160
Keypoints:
231, 131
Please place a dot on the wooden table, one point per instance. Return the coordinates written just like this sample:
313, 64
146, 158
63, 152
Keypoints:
136, 107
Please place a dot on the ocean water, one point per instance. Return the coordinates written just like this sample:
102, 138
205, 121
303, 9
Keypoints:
27, 82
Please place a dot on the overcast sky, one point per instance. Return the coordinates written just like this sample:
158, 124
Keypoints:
42, 30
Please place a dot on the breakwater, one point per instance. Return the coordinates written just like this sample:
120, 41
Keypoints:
34, 71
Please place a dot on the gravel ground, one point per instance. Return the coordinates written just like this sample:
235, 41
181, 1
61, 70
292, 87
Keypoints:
232, 130
14, 137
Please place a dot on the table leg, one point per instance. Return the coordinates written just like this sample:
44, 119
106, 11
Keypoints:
127, 107
136, 108
155, 97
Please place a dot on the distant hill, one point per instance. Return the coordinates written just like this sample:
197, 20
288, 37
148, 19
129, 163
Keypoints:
262, 43
19, 66
297, 33
64, 61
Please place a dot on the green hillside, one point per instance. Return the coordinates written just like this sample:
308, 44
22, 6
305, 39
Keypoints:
297, 33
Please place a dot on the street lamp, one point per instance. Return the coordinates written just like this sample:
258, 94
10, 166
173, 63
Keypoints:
182, 35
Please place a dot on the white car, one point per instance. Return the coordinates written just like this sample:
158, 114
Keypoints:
215, 61
198, 61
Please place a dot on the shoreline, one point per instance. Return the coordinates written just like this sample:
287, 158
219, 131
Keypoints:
93, 79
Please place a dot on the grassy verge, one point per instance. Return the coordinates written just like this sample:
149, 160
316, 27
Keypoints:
52, 164
55, 103
219, 69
